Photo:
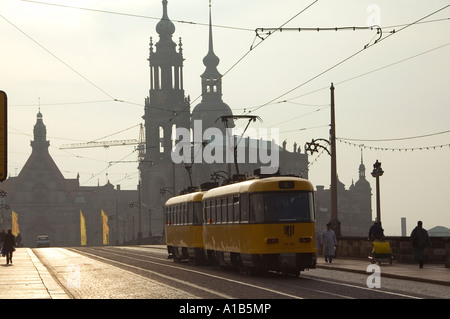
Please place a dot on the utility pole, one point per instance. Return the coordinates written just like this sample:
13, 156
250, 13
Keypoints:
313, 147
334, 221
139, 235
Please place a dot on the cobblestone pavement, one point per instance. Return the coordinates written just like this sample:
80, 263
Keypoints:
87, 278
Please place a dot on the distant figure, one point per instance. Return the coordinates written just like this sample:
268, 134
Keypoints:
419, 240
329, 242
376, 232
8, 246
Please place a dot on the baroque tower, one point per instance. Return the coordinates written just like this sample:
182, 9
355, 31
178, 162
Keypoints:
166, 108
212, 107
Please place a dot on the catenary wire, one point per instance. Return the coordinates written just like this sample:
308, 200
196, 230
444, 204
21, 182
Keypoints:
350, 57
57, 58
136, 15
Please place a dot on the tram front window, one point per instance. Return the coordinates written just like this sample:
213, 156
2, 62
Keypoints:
282, 207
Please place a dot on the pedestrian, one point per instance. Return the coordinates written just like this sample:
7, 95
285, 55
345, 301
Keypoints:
419, 240
8, 246
329, 243
376, 231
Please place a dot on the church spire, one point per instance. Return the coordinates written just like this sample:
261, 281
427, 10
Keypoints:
362, 168
211, 78
40, 134
212, 106
211, 61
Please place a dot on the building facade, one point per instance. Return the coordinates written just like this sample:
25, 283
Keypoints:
46, 203
354, 206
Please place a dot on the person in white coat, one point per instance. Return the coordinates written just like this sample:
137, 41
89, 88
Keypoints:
329, 243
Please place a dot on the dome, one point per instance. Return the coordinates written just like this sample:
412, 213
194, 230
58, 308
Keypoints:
165, 27
210, 113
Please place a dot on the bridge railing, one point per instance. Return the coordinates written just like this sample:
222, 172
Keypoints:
401, 249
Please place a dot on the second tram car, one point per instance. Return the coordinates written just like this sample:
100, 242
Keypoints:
184, 238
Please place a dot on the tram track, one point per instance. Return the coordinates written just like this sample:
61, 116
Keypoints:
207, 282
127, 260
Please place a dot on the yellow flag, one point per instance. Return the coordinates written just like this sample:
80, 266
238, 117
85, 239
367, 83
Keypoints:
83, 236
105, 228
15, 223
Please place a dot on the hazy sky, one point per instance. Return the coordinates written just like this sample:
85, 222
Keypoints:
88, 71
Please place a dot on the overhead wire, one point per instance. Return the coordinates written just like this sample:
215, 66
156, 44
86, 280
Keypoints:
59, 59
369, 72
136, 15
251, 49
350, 57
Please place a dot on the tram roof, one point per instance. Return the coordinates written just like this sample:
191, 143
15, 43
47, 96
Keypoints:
191, 197
279, 183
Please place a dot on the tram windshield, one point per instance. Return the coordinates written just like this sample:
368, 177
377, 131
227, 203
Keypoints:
282, 207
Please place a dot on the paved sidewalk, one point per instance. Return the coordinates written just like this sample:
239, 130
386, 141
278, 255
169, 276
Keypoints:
27, 278
431, 273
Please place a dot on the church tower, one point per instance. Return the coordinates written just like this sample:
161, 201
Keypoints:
166, 108
40, 143
212, 107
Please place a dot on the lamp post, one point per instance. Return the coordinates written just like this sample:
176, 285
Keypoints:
140, 215
377, 172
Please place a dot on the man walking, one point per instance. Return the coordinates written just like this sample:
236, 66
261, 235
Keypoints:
329, 243
419, 240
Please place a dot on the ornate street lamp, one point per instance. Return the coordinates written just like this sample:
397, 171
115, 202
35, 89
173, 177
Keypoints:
377, 172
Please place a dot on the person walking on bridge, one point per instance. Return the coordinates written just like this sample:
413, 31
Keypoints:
329, 242
419, 240
8, 246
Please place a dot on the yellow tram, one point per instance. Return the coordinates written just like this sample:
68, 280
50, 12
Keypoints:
184, 237
261, 224
258, 224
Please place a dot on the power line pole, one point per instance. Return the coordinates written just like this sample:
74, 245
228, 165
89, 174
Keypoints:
334, 221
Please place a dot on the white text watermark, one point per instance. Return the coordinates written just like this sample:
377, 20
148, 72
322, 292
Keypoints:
213, 146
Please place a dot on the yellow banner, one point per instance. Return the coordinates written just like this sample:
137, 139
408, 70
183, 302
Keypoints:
105, 228
15, 223
83, 236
